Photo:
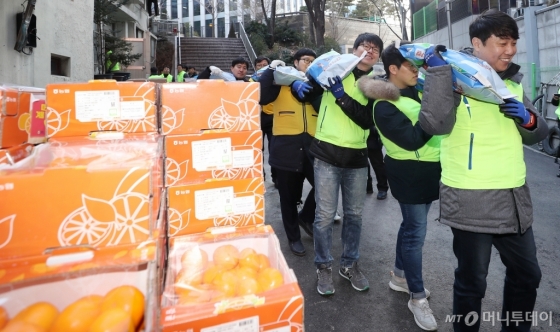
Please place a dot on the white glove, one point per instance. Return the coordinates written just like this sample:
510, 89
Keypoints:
276, 63
215, 71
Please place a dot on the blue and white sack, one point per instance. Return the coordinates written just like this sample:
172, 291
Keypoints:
332, 64
286, 75
472, 76
228, 77
257, 75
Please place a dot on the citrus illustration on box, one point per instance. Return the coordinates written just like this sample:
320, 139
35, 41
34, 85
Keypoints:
237, 109
100, 222
6, 230
24, 122
216, 203
67, 115
174, 171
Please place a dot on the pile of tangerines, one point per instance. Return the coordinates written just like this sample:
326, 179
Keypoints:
231, 273
121, 310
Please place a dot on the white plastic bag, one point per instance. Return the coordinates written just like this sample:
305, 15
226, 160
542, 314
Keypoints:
332, 64
286, 75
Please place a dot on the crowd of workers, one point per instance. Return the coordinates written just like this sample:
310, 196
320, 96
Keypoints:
439, 145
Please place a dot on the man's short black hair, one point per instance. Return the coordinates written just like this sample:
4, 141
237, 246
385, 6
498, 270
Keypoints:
370, 38
191, 67
392, 56
304, 52
260, 59
493, 22
239, 60
153, 71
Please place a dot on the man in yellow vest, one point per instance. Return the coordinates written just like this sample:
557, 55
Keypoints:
484, 196
293, 129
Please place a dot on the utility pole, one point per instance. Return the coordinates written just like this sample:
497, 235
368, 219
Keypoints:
449, 30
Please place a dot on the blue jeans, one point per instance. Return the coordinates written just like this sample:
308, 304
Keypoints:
410, 240
518, 253
329, 180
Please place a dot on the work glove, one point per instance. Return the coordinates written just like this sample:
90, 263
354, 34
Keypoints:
276, 63
301, 88
335, 87
216, 71
432, 58
515, 110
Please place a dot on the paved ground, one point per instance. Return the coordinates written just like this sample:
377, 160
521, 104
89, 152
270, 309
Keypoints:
380, 308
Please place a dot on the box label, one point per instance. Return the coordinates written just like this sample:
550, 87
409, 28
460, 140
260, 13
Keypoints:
212, 154
132, 110
94, 106
243, 158
213, 203
244, 205
250, 324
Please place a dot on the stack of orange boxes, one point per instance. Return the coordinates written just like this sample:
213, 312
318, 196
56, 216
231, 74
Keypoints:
215, 210
80, 216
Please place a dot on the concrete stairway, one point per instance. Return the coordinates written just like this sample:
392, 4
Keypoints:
219, 52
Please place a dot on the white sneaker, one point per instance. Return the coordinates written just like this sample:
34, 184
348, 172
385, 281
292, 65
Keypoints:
399, 284
337, 216
423, 315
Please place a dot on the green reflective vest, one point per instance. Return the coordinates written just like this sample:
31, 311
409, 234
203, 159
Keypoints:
117, 66
334, 127
155, 76
430, 150
181, 77
169, 77
484, 150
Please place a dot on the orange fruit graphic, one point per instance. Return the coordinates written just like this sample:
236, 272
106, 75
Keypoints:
248, 258
127, 298
226, 256
41, 314
24, 122
263, 261
4, 318
269, 278
79, 315
113, 320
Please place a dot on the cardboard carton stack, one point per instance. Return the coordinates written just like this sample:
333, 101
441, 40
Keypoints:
215, 202
81, 216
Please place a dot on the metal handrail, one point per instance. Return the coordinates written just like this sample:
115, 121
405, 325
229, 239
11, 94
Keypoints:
247, 44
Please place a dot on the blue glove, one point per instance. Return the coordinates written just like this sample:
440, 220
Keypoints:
432, 58
301, 88
515, 110
335, 87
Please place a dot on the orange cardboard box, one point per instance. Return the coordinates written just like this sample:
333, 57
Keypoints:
76, 109
68, 194
194, 158
22, 116
195, 208
277, 309
188, 108
61, 279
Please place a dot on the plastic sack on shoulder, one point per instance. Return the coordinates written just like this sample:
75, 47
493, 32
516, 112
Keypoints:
332, 64
257, 75
472, 76
286, 75
228, 77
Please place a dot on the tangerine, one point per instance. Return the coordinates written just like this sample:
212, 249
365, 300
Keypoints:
194, 258
113, 320
41, 314
189, 276
127, 298
247, 286
248, 257
269, 278
263, 261
212, 271
4, 317
201, 294
79, 315
226, 283
243, 272
21, 326
226, 256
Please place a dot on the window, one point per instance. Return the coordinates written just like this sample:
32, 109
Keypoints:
232, 5
185, 9
173, 9
139, 33
196, 5
60, 65
197, 28
221, 27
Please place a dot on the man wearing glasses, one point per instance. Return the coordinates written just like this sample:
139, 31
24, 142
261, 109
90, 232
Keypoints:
341, 162
293, 129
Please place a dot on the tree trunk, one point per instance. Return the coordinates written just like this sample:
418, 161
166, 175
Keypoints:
309, 4
319, 21
272, 19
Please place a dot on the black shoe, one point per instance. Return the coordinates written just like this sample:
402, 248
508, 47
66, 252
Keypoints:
381, 195
307, 227
297, 248
369, 188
